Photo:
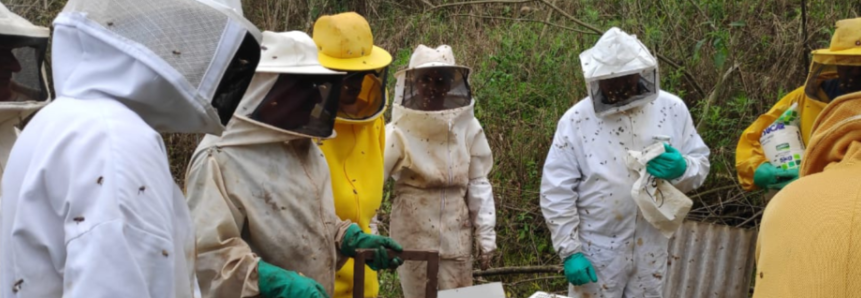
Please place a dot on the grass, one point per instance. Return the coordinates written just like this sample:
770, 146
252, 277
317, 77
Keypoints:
526, 75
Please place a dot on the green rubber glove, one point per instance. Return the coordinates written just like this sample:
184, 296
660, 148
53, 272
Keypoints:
768, 176
355, 239
578, 270
669, 165
275, 282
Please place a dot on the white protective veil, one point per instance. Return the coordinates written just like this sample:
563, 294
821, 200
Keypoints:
23, 84
617, 55
90, 208
438, 154
263, 190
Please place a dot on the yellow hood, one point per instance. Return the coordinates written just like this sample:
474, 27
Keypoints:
836, 135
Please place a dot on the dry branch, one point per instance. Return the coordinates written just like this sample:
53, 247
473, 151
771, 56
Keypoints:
518, 270
711, 191
755, 216
526, 20
534, 280
435, 7
713, 96
572, 18
687, 74
547, 20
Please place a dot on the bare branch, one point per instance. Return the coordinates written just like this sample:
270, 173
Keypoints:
526, 20
434, 7
549, 17
535, 279
713, 190
755, 216
572, 18
713, 96
687, 74
518, 270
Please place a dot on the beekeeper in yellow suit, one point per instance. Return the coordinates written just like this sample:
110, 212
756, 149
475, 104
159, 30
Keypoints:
807, 245
834, 72
355, 156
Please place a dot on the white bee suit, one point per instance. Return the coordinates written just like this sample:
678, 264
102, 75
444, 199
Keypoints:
586, 186
586, 192
90, 208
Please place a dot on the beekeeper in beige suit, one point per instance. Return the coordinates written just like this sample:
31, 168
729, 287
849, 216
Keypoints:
261, 194
437, 153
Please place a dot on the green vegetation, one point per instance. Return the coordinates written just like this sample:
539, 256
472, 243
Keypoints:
527, 74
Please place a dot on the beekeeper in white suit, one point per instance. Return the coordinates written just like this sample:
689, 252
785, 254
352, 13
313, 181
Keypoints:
437, 153
261, 194
608, 248
23, 84
89, 206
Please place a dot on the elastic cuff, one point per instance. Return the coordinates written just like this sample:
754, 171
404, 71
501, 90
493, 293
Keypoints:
350, 233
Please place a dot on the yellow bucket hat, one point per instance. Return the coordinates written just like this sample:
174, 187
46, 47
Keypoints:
345, 42
845, 48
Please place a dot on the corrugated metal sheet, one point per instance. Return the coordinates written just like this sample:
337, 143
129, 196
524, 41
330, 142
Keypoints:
707, 260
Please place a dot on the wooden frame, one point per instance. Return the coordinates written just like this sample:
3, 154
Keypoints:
363, 255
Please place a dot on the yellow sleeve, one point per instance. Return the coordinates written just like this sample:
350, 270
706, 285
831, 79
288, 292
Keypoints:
748, 153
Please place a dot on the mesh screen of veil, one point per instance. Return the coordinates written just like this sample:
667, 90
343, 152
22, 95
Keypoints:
436, 88
21, 76
305, 104
620, 93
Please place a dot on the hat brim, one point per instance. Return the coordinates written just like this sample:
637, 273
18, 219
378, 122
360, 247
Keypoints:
303, 69
378, 58
432, 65
847, 52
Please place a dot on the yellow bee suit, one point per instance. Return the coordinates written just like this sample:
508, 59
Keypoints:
749, 154
810, 236
355, 158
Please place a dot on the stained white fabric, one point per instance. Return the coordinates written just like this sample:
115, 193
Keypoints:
11, 115
441, 194
89, 205
586, 191
661, 204
259, 192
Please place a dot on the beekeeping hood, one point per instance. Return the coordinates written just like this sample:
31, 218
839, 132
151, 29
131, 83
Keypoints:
182, 65
844, 50
433, 81
292, 95
23, 84
618, 54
